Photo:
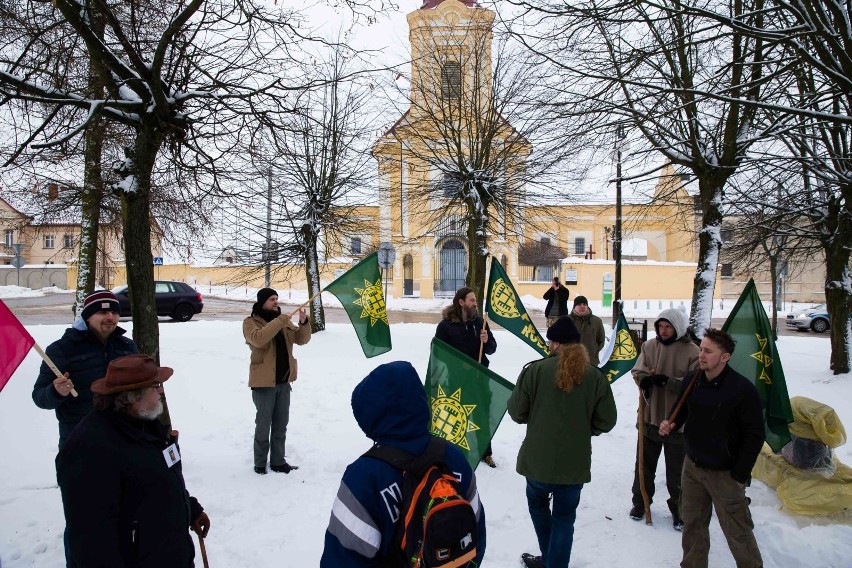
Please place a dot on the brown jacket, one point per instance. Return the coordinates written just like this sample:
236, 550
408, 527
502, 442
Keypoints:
259, 336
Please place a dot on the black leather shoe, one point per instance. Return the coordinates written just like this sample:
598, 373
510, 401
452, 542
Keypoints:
637, 513
283, 468
260, 470
530, 561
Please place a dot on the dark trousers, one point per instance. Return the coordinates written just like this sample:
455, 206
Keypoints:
554, 528
706, 488
273, 414
674, 453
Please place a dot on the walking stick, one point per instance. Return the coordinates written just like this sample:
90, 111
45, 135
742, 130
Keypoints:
640, 424
203, 550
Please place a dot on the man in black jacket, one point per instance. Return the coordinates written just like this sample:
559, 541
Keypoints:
723, 435
557, 302
123, 490
463, 329
82, 354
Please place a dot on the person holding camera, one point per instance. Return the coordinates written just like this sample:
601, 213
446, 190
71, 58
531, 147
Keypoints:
557, 302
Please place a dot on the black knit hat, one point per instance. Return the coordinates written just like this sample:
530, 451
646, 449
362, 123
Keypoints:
97, 301
563, 331
581, 300
264, 294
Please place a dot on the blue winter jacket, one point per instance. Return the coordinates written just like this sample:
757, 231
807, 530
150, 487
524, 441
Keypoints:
81, 354
390, 407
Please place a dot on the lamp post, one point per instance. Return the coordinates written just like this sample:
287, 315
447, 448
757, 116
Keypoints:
616, 249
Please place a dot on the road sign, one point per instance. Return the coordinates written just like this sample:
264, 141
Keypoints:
158, 261
387, 254
17, 261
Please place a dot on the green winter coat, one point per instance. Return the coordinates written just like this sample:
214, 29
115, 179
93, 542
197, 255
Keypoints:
560, 425
592, 334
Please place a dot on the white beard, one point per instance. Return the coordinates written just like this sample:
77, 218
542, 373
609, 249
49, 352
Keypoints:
152, 414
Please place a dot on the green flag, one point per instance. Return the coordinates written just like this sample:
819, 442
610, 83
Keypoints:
620, 353
468, 401
757, 359
505, 308
359, 289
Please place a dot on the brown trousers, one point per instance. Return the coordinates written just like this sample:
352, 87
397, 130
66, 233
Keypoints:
700, 489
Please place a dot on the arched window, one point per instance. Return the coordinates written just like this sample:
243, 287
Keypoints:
451, 80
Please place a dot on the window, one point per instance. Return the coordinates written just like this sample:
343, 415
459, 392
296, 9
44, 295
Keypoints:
726, 235
450, 186
356, 245
451, 80
9, 237
68, 241
580, 245
727, 269
49, 241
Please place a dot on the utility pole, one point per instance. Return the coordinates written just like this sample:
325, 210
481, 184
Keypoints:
616, 249
268, 269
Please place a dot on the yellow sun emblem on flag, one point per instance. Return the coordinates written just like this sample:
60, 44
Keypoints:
502, 300
451, 419
624, 348
372, 302
764, 359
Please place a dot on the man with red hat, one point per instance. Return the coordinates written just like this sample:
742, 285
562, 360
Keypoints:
120, 473
82, 355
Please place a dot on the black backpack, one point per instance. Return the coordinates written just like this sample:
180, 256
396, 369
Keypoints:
436, 525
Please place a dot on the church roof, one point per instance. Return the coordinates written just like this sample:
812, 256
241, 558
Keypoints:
429, 4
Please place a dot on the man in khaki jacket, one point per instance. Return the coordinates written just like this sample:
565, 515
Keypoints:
661, 367
270, 336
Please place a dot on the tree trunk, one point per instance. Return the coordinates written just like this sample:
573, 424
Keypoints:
838, 299
93, 181
315, 311
773, 277
136, 217
709, 246
477, 253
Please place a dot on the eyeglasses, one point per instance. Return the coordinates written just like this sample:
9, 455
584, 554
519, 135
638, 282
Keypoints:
156, 385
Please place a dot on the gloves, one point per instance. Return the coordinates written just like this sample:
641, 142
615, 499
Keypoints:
201, 525
659, 380
645, 382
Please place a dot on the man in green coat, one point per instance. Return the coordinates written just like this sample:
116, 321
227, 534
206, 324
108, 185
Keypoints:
560, 394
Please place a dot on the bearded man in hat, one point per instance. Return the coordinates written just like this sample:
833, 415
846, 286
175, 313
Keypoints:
82, 355
120, 473
561, 394
665, 361
270, 336
590, 327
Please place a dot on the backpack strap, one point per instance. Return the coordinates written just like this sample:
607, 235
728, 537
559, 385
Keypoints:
435, 452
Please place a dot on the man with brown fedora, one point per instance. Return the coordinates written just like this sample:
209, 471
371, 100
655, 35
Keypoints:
123, 491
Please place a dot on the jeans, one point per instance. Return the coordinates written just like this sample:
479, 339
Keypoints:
554, 529
273, 414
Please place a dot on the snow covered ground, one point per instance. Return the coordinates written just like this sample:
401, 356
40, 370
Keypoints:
279, 520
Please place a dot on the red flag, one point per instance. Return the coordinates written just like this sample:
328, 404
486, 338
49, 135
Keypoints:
15, 343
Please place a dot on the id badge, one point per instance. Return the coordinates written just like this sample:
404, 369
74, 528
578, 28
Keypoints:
172, 455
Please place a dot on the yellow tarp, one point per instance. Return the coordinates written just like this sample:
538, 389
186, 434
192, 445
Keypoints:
803, 491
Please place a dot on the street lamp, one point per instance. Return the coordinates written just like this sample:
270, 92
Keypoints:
616, 249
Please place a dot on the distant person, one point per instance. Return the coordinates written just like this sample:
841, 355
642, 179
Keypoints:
82, 355
664, 362
722, 422
564, 401
391, 408
557, 301
463, 329
120, 473
270, 336
591, 329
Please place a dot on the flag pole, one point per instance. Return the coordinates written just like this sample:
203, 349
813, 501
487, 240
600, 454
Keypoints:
641, 459
685, 395
484, 303
52, 366
311, 299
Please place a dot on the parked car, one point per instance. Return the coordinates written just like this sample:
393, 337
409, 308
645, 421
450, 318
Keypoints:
176, 300
815, 318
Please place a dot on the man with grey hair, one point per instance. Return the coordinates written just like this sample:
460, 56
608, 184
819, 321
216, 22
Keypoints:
123, 491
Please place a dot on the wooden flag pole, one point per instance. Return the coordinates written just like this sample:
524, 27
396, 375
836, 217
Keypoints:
641, 459
203, 549
484, 303
685, 396
52, 366
311, 299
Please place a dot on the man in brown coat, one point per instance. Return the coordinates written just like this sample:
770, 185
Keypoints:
591, 329
661, 367
270, 336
